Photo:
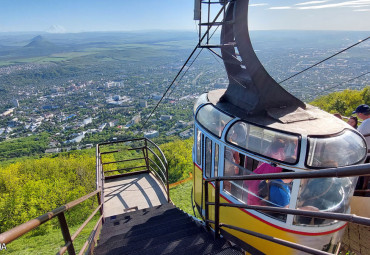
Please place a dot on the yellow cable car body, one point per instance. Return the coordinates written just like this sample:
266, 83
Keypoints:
320, 141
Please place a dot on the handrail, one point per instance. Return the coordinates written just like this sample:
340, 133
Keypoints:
59, 212
161, 164
278, 241
160, 179
121, 161
64, 248
123, 141
92, 235
26, 227
165, 168
324, 215
159, 168
347, 171
122, 169
160, 151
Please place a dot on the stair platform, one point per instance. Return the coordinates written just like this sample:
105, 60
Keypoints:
133, 192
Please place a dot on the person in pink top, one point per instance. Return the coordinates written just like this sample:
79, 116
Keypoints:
276, 151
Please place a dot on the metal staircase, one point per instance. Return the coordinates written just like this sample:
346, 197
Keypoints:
163, 229
139, 217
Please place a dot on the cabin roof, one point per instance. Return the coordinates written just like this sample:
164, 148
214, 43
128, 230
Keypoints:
309, 121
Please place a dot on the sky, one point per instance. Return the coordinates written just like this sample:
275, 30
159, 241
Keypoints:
124, 15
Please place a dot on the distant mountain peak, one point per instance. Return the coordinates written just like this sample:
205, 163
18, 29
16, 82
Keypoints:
39, 41
37, 38
56, 29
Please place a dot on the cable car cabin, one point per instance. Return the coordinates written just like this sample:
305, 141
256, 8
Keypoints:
228, 143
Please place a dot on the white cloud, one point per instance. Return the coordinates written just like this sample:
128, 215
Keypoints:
280, 8
362, 10
314, 5
255, 5
313, 2
342, 4
360, 6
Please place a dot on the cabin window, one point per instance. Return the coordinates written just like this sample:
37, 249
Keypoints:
232, 168
212, 119
325, 152
208, 157
216, 159
270, 143
238, 164
324, 195
199, 148
202, 99
255, 192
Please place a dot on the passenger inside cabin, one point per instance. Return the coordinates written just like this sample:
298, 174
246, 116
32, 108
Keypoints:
353, 122
233, 161
276, 193
279, 192
338, 115
276, 151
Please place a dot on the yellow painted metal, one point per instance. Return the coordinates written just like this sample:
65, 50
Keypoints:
240, 218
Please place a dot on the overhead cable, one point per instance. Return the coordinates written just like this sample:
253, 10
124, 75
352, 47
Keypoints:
186, 71
196, 47
304, 70
354, 78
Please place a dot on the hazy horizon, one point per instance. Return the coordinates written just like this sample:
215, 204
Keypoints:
120, 16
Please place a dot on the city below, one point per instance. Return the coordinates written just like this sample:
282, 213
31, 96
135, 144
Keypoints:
80, 89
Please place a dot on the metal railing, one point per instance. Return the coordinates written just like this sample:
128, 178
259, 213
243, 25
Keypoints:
153, 163
349, 171
143, 152
24, 228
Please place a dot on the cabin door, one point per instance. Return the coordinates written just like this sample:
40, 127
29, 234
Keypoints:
206, 166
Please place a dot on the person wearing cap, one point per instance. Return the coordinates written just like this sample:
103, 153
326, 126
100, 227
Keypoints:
363, 112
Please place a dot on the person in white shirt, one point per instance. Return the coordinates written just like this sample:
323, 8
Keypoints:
363, 112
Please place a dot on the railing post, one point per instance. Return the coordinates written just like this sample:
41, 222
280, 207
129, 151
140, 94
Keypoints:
66, 234
101, 185
206, 203
217, 209
146, 155
97, 173
168, 185
99, 203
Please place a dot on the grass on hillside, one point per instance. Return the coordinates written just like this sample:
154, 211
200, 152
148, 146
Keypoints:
181, 196
51, 242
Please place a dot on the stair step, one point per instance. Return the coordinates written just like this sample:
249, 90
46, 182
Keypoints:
230, 251
140, 217
145, 211
126, 246
145, 229
123, 240
162, 229
199, 243
129, 223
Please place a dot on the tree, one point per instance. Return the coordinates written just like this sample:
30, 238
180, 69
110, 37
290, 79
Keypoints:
344, 102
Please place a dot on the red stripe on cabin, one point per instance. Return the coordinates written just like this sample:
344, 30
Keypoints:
275, 226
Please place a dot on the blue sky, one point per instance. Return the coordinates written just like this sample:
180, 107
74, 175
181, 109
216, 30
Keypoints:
122, 15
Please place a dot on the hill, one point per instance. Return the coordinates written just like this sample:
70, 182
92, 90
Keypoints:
39, 42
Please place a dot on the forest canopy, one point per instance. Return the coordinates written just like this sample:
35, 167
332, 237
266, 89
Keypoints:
344, 102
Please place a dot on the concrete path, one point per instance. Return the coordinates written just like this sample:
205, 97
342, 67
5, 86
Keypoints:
132, 193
